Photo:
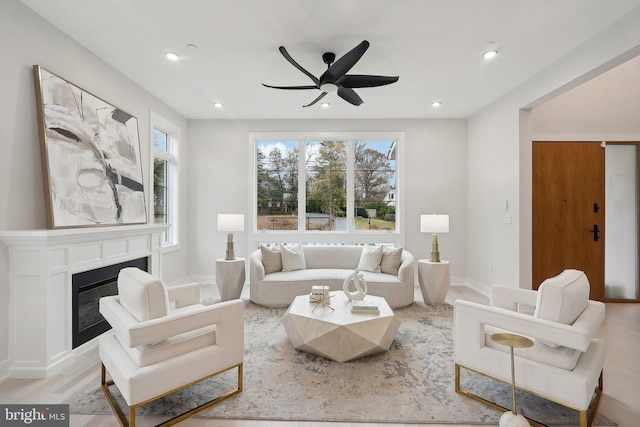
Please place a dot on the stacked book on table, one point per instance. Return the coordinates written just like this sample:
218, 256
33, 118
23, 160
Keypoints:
364, 306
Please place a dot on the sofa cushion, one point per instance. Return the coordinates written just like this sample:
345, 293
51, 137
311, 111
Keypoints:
142, 295
271, 259
332, 256
563, 298
292, 258
315, 276
370, 277
370, 259
390, 261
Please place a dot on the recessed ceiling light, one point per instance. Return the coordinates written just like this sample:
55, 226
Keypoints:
490, 54
325, 105
217, 104
490, 50
436, 104
172, 56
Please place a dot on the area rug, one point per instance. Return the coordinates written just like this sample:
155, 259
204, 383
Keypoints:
413, 382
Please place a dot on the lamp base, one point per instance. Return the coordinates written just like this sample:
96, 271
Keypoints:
509, 419
229, 254
435, 254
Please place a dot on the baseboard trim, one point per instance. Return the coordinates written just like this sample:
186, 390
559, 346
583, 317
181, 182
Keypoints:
4, 370
203, 280
482, 288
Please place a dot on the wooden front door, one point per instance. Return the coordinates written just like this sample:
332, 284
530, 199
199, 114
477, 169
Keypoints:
568, 208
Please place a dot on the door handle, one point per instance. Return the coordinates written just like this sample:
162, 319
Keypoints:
596, 232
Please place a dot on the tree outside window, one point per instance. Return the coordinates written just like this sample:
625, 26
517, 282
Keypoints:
326, 179
374, 184
277, 182
342, 179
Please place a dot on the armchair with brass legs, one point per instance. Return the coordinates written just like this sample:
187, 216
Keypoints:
564, 365
164, 340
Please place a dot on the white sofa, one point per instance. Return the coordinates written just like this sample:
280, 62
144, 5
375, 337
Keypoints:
329, 265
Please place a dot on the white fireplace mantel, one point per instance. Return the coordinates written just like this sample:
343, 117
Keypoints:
41, 263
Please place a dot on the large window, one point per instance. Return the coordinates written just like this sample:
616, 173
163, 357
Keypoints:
326, 184
165, 177
277, 183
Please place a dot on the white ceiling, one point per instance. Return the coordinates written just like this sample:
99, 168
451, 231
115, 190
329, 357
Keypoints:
434, 46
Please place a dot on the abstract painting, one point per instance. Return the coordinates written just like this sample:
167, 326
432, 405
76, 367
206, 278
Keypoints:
90, 157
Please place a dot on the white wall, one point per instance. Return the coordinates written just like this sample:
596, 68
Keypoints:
25, 40
500, 156
493, 196
435, 181
606, 108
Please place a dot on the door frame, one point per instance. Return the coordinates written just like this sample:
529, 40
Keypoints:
602, 285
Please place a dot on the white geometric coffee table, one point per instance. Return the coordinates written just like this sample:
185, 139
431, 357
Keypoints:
339, 335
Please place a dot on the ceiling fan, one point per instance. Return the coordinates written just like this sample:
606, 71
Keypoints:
336, 77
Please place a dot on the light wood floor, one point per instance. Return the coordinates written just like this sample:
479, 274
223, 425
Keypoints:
620, 401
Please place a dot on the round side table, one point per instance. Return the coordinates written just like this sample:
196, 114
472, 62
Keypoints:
434, 281
230, 277
512, 419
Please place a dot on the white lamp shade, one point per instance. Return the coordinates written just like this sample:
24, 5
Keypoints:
434, 223
230, 222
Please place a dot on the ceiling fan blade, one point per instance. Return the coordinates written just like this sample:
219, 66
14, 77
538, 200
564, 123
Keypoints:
344, 64
288, 57
316, 100
358, 80
349, 95
290, 87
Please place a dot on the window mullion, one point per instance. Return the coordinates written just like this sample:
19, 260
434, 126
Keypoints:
350, 184
302, 185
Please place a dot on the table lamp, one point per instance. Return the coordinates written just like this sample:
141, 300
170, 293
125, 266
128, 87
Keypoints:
230, 223
434, 224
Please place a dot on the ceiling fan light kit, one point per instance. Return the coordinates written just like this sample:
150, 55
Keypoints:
336, 79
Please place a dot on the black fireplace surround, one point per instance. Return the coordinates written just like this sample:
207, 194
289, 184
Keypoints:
88, 287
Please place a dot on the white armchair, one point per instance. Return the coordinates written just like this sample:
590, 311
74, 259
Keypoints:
565, 363
164, 340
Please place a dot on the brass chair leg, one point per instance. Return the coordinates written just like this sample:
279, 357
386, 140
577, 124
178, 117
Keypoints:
584, 420
595, 403
112, 401
132, 409
132, 416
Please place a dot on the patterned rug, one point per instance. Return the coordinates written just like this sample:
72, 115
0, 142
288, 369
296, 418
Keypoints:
411, 383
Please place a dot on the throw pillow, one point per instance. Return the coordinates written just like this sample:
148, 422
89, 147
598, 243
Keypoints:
370, 259
562, 298
391, 259
142, 295
292, 258
271, 259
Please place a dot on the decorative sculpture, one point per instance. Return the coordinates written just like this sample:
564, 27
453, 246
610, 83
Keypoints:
359, 283
321, 297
